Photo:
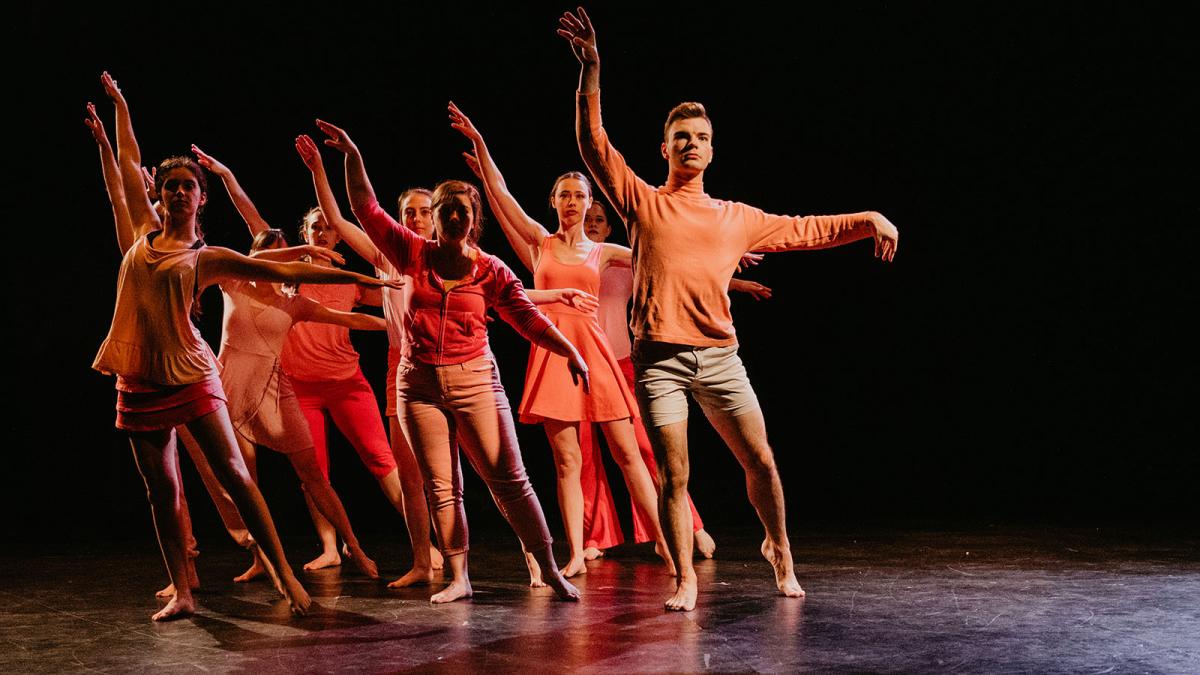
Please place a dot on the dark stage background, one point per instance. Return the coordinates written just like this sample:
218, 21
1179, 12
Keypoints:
1025, 359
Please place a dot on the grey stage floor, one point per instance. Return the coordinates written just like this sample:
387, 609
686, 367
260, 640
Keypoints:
986, 601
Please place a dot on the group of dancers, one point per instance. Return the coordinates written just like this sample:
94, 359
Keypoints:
286, 365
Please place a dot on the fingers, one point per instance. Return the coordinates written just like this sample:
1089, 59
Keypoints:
586, 20
329, 254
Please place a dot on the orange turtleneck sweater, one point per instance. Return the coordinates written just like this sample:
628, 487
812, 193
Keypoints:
686, 245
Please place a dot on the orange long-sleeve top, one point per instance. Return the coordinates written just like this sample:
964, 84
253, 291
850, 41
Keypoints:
687, 245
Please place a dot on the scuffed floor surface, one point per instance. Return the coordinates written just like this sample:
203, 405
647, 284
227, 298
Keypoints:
987, 601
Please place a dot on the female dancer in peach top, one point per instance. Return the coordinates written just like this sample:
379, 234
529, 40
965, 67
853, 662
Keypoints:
166, 374
568, 258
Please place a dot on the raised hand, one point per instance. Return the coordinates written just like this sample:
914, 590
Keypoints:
887, 238
96, 125
749, 260
459, 120
111, 88
310, 154
338, 139
578, 31
149, 178
209, 162
581, 300
473, 164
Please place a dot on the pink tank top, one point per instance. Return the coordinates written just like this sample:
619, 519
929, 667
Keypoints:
318, 352
551, 273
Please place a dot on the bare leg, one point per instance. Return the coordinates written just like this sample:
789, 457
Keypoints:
746, 436
671, 454
411, 491
320, 492
551, 577
460, 583
535, 571
327, 534
704, 543
258, 564
157, 461
564, 440
218, 441
189, 541
625, 451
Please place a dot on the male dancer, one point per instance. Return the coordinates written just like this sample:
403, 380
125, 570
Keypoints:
686, 246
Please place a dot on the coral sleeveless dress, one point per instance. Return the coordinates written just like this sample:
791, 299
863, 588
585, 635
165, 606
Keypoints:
550, 392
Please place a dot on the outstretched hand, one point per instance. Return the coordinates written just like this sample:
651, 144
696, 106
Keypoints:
374, 282
887, 238
96, 125
338, 138
324, 253
581, 300
749, 260
310, 154
578, 31
209, 162
751, 288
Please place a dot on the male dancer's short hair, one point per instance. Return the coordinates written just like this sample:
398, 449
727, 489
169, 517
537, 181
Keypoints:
683, 111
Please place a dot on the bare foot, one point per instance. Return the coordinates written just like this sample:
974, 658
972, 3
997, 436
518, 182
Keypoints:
457, 590
256, 570
535, 572
364, 564
704, 543
326, 559
785, 575
591, 553
684, 599
575, 566
177, 608
435, 558
660, 548
168, 592
565, 589
296, 596
417, 576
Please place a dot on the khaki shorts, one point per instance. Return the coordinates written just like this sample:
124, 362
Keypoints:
667, 373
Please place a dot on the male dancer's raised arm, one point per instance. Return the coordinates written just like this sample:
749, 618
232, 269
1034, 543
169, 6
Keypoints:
622, 187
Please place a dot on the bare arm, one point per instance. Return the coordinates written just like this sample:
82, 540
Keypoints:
217, 265
241, 200
290, 253
112, 180
354, 236
351, 320
617, 256
358, 186
571, 297
142, 216
524, 233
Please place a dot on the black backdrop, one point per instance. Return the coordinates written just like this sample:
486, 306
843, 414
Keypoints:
1025, 359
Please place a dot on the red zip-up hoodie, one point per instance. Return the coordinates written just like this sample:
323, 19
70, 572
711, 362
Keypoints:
449, 327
